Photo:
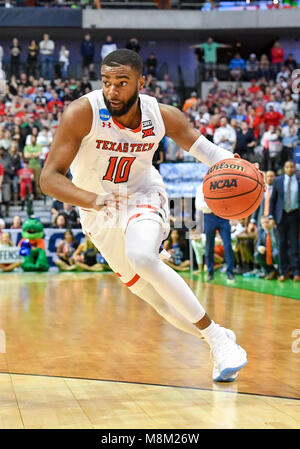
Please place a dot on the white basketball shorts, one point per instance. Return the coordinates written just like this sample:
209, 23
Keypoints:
108, 233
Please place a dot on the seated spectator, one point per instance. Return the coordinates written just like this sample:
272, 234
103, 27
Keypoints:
17, 223
245, 142
275, 103
243, 238
266, 254
225, 136
71, 214
237, 67
291, 62
85, 85
57, 206
254, 88
6, 140
252, 67
173, 245
284, 73
151, 65
189, 102
65, 251
264, 67
44, 139
133, 44
228, 108
87, 258
61, 221
4, 242
26, 177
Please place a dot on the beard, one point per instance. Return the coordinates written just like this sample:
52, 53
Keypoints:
125, 105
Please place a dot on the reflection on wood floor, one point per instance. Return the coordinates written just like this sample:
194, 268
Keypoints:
89, 326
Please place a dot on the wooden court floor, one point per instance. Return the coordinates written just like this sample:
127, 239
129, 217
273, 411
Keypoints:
80, 351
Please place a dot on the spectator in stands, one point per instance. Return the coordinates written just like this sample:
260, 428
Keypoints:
1, 56
172, 150
175, 247
283, 76
228, 108
288, 107
240, 114
15, 54
71, 215
264, 67
277, 56
252, 67
264, 207
85, 257
266, 254
151, 65
272, 117
64, 61
225, 135
237, 67
108, 47
287, 127
26, 177
212, 224
5, 141
210, 56
16, 223
56, 101
289, 142
245, 142
285, 211
61, 221
85, 85
133, 44
291, 62
32, 152
32, 59
47, 47
15, 166
65, 251
5, 173
87, 51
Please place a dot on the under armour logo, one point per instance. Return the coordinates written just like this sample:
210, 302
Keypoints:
108, 124
148, 132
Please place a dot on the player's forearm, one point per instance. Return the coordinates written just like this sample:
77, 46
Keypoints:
207, 152
58, 186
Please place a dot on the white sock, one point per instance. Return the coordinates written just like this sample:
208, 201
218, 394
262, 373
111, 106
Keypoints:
213, 334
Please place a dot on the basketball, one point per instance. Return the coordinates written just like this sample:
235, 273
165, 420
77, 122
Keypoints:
233, 188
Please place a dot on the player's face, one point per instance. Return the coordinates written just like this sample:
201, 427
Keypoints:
121, 86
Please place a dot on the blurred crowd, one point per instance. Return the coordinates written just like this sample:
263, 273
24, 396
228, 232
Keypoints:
260, 122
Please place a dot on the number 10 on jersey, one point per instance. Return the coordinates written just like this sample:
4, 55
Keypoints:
118, 171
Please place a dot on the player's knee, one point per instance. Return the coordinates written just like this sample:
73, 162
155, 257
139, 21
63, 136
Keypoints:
141, 262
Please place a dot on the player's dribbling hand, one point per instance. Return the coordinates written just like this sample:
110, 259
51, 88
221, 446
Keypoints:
255, 164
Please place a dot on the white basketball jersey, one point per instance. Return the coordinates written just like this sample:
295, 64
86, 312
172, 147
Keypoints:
112, 156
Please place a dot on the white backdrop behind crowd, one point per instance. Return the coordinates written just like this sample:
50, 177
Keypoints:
52, 238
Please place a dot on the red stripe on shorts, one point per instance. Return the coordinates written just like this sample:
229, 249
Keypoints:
133, 280
147, 205
87, 210
119, 275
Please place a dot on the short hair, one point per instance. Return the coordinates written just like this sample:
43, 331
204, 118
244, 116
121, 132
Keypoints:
124, 57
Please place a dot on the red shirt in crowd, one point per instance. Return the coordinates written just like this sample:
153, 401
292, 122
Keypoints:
277, 55
272, 118
1, 170
52, 103
25, 174
2, 108
254, 89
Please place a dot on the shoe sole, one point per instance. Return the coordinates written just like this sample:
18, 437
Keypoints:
227, 373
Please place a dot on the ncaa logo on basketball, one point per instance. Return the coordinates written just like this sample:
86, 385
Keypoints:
104, 115
223, 183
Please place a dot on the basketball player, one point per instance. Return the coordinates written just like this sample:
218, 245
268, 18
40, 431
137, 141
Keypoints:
108, 138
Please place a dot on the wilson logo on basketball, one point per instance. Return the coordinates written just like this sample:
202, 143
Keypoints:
223, 165
223, 183
148, 132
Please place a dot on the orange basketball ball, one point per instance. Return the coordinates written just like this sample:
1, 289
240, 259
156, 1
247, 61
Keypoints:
233, 188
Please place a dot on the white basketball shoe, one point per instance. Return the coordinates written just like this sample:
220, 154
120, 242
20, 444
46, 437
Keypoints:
228, 358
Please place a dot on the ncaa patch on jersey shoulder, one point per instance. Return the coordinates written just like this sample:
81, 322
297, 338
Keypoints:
104, 115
